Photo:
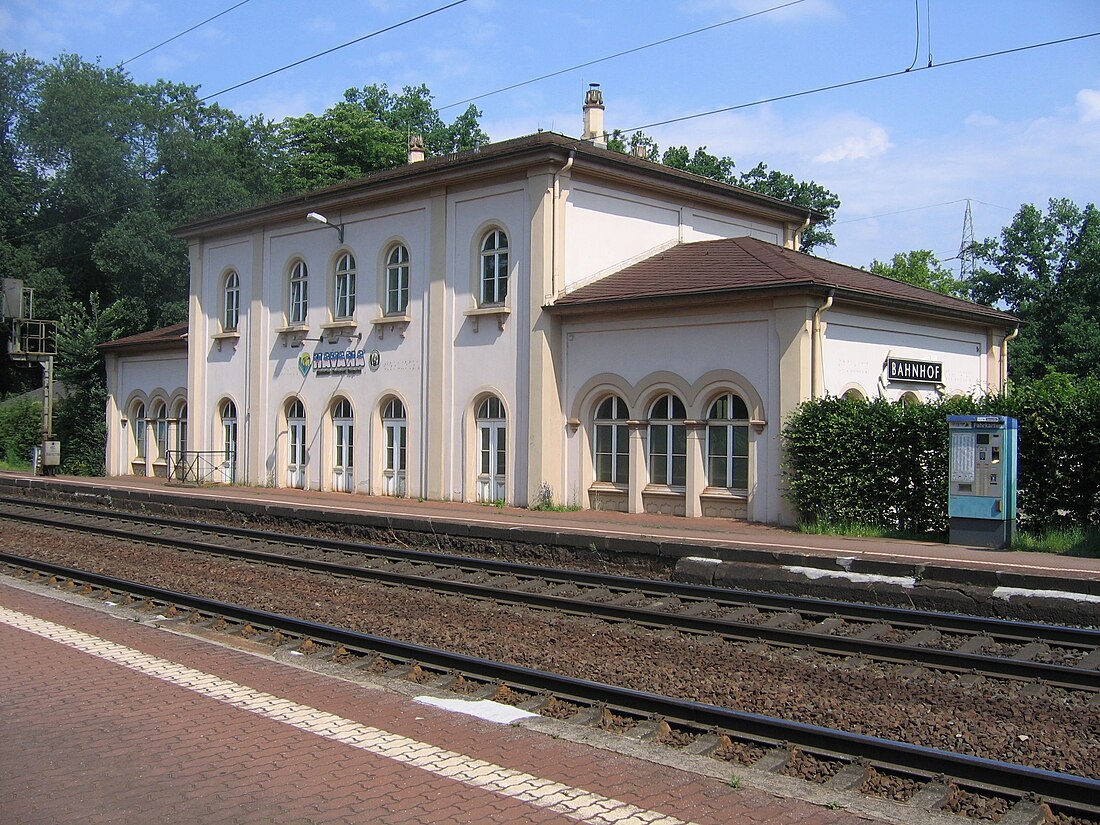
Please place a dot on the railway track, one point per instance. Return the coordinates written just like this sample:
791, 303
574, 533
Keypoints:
1067, 657
853, 761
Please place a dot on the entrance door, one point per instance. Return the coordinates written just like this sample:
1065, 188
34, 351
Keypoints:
393, 427
296, 456
492, 451
343, 477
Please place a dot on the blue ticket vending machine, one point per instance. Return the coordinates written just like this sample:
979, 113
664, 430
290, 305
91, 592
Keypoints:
981, 504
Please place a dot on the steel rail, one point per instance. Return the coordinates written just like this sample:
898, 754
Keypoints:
1056, 675
1013, 780
998, 629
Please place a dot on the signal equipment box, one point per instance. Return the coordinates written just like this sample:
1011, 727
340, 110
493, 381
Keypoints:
981, 504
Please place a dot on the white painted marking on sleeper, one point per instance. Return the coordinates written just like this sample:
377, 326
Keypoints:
859, 578
574, 803
1010, 592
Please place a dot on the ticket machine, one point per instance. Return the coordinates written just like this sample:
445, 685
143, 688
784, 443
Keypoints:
981, 504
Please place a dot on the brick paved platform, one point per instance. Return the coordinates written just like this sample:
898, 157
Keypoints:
104, 719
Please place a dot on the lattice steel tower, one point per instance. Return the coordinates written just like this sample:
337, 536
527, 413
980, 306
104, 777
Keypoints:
966, 248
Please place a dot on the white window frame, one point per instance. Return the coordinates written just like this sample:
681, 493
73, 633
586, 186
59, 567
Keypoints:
725, 424
666, 424
344, 292
298, 297
231, 302
493, 268
397, 280
611, 439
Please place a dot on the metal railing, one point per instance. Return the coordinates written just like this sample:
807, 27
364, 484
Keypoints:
201, 466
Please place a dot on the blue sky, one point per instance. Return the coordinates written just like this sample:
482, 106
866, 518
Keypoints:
903, 153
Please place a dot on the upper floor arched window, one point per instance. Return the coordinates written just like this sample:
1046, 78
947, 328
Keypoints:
397, 280
344, 306
494, 267
231, 302
299, 293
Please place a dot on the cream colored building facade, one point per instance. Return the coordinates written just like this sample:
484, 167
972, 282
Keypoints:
542, 318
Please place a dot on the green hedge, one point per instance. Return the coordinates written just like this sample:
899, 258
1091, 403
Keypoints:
20, 430
885, 464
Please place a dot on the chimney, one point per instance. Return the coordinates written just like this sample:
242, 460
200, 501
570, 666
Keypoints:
593, 116
416, 148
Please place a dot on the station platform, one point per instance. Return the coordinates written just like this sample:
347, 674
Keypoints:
111, 717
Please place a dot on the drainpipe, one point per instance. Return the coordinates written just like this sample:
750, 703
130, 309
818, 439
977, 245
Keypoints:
1004, 359
817, 345
554, 230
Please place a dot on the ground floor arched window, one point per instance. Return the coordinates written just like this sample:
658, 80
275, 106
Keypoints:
667, 442
728, 443
611, 441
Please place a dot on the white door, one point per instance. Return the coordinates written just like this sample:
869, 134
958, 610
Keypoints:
296, 453
393, 473
343, 478
490, 479
491, 446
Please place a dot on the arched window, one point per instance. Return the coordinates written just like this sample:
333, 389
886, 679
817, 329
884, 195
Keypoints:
492, 450
397, 280
394, 428
728, 443
854, 394
137, 426
229, 441
160, 427
231, 303
612, 441
345, 287
494, 267
299, 292
667, 442
909, 397
181, 429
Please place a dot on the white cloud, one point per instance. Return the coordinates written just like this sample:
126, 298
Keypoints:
1088, 105
868, 144
981, 120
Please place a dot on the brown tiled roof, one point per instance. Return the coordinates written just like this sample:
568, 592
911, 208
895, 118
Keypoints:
460, 167
173, 337
735, 265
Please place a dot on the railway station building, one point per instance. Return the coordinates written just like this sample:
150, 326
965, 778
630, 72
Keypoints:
540, 319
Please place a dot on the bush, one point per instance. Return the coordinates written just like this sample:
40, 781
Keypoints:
885, 465
20, 430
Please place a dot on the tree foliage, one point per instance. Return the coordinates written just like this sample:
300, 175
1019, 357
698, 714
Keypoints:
1045, 268
921, 268
367, 132
20, 430
759, 179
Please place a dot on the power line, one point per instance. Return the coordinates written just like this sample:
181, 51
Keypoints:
334, 49
619, 54
862, 80
902, 211
182, 33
